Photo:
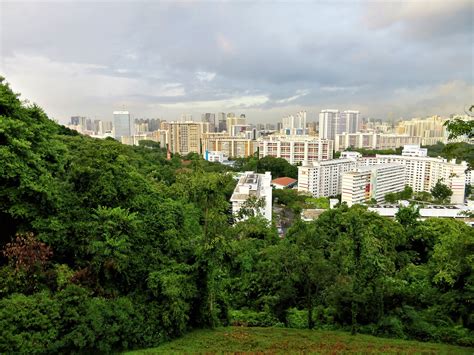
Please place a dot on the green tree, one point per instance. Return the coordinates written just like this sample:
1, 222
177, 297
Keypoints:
441, 192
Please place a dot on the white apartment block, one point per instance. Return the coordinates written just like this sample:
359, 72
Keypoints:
372, 140
324, 178
218, 157
253, 184
295, 149
292, 125
185, 137
332, 122
418, 171
371, 182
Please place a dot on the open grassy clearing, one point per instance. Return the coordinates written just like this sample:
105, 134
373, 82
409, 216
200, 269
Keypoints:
284, 340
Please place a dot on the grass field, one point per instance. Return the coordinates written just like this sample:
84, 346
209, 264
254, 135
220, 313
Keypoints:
284, 340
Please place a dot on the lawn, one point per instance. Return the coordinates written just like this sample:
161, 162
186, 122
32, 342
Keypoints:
284, 340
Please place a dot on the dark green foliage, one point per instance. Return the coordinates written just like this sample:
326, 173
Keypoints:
441, 192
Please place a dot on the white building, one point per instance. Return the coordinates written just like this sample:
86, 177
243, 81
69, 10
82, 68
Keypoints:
215, 156
371, 182
253, 184
372, 140
419, 171
292, 125
295, 149
332, 122
323, 179
122, 124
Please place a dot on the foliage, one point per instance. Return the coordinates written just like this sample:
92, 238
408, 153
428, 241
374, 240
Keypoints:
106, 247
441, 192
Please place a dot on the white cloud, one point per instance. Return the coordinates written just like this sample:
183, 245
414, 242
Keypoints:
205, 76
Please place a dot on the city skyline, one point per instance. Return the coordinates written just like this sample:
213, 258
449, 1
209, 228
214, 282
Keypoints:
386, 60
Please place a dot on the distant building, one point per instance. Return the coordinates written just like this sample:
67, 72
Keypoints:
257, 185
185, 137
211, 119
233, 147
295, 149
122, 125
332, 122
372, 141
292, 125
222, 122
214, 156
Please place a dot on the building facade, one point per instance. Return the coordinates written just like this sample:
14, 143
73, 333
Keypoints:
372, 140
295, 149
257, 185
233, 147
185, 137
122, 124
371, 182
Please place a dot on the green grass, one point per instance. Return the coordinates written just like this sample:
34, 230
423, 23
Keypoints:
284, 340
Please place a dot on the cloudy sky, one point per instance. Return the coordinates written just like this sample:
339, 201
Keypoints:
265, 59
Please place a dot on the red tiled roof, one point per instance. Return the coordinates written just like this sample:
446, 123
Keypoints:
284, 181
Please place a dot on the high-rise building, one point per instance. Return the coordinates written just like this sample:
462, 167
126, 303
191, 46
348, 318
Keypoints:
328, 124
185, 137
236, 125
371, 182
332, 122
211, 119
222, 122
323, 179
352, 121
122, 125
292, 125
233, 147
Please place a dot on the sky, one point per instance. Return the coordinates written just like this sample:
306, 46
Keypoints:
264, 59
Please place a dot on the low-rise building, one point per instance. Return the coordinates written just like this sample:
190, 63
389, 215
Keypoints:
284, 183
251, 184
372, 141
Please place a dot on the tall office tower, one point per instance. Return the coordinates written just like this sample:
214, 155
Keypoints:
75, 120
107, 126
122, 126
153, 124
279, 126
260, 126
221, 122
270, 126
211, 119
89, 124
292, 125
351, 119
97, 127
329, 124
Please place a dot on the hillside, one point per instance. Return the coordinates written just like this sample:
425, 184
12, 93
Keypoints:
284, 340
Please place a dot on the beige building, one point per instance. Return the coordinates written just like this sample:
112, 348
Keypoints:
233, 147
185, 137
295, 149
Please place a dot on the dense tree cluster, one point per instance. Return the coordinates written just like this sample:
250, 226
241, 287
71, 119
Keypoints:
108, 247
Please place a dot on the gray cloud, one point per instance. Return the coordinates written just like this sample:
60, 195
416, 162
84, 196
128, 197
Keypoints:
163, 59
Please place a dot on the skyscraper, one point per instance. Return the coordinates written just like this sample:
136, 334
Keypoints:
328, 124
351, 119
211, 119
122, 126
222, 123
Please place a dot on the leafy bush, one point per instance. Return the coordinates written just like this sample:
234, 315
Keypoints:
251, 318
297, 318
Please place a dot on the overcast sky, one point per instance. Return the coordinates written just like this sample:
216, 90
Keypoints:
161, 59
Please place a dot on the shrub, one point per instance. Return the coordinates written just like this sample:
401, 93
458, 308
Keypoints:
297, 318
251, 318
